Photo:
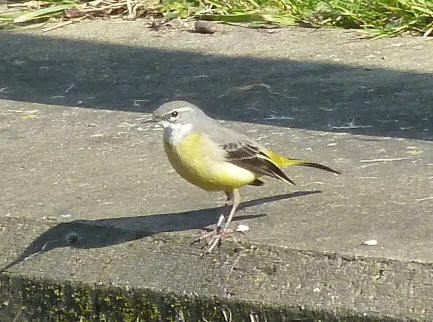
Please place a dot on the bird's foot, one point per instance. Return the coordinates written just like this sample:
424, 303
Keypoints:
213, 238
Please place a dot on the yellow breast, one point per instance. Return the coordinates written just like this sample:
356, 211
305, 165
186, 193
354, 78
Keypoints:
201, 162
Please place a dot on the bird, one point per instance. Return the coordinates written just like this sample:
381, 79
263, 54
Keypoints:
216, 158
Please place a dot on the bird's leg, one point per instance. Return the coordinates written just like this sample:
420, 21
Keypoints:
229, 195
222, 217
214, 236
221, 227
236, 198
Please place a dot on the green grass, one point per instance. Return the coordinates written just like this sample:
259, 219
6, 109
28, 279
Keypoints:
378, 17
21, 15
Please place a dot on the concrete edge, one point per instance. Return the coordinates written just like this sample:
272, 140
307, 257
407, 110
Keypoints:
295, 285
42, 299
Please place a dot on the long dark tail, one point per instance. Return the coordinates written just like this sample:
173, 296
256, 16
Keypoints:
283, 161
315, 165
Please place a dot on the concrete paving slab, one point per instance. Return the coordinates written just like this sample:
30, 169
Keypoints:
90, 205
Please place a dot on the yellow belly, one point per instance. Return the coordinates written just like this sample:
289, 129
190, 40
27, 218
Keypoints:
201, 163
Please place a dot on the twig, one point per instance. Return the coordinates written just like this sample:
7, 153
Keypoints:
232, 268
17, 316
423, 199
60, 25
350, 125
129, 7
383, 160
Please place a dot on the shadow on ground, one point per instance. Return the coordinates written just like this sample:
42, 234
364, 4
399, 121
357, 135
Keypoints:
270, 91
107, 232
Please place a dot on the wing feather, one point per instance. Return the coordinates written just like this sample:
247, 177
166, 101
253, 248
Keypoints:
247, 155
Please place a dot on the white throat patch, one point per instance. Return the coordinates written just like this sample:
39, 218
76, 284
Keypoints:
173, 132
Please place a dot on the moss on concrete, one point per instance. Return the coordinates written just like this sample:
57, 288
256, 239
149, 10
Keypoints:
45, 300
41, 300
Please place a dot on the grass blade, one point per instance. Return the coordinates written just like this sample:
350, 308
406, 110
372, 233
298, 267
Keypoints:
42, 13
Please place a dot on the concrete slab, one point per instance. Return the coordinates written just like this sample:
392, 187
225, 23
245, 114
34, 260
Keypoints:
90, 206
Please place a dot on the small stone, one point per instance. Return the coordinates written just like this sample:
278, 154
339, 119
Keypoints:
72, 237
205, 27
372, 242
242, 228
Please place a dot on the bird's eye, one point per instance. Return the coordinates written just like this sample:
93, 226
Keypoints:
174, 114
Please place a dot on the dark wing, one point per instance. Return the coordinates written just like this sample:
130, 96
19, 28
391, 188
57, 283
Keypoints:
246, 155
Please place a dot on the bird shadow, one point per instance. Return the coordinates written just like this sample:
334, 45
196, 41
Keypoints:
112, 231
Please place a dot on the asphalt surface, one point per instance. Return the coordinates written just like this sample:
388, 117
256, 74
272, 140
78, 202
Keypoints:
88, 196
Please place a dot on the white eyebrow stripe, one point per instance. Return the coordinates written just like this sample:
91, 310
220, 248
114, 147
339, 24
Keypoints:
181, 109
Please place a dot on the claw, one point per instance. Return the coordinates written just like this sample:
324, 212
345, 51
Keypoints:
213, 238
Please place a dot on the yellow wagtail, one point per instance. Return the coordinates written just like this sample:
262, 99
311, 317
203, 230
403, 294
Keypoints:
215, 158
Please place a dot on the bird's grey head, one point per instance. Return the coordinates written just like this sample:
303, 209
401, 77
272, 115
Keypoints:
177, 112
